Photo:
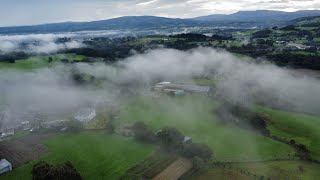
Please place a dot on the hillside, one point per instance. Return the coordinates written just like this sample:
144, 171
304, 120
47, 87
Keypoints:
241, 19
259, 16
126, 22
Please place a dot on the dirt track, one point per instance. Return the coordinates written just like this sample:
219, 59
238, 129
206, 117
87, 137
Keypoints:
24, 149
175, 170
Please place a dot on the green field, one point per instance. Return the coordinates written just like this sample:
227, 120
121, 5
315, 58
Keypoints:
304, 129
193, 116
274, 170
95, 155
36, 62
284, 170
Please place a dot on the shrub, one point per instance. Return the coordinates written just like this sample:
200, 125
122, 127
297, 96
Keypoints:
45, 171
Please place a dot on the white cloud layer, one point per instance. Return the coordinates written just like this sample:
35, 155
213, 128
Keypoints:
21, 12
36, 43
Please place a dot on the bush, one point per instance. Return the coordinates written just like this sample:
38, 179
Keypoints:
143, 133
74, 126
171, 139
201, 151
45, 171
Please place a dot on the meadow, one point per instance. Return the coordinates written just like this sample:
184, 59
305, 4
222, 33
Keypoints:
95, 155
304, 129
194, 116
267, 170
41, 61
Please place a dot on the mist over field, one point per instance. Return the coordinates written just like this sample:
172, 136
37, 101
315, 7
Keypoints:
36, 43
238, 80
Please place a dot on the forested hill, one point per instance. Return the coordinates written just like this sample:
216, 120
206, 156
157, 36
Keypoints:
241, 19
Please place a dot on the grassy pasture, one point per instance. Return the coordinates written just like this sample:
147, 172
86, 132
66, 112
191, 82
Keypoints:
95, 155
193, 116
36, 62
274, 170
284, 169
304, 129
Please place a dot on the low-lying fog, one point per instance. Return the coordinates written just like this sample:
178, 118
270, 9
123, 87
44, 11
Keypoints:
239, 80
47, 43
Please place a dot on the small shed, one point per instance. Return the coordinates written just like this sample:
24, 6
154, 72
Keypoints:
85, 115
7, 132
26, 125
5, 166
187, 140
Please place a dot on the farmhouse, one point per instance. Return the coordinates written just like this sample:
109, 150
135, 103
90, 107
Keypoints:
297, 46
58, 124
85, 115
25, 125
7, 132
181, 88
5, 166
125, 130
187, 140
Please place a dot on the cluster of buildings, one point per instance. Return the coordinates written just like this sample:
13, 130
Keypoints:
5, 166
178, 89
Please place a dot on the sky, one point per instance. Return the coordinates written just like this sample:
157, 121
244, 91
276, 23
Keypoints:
31, 12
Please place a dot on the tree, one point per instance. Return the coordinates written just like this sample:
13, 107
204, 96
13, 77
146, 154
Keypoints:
198, 163
74, 126
197, 150
50, 59
45, 171
143, 133
171, 139
110, 128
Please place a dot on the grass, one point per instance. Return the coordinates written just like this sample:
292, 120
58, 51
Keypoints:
193, 116
17, 135
200, 82
307, 28
283, 169
317, 39
95, 155
274, 170
304, 129
36, 62
219, 173
148, 40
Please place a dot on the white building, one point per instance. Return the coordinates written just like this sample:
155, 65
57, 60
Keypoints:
6, 133
5, 166
181, 88
85, 115
25, 125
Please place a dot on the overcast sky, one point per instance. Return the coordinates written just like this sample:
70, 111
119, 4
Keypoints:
28, 12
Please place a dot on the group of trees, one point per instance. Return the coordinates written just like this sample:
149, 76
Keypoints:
74, 126
45, 171
143, 133
172, 140
243, 117
296, 60
13, 56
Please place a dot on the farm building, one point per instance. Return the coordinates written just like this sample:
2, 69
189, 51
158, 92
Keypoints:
187, 140
85, 115
125, 130
25, 125
7, 132
5, 166
58, 124
180, 88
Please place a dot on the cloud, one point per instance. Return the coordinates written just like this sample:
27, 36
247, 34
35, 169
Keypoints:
52, 91
37, 43
241, 81
19, 12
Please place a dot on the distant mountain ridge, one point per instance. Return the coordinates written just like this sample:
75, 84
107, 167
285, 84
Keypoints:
259, 16
256, 18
